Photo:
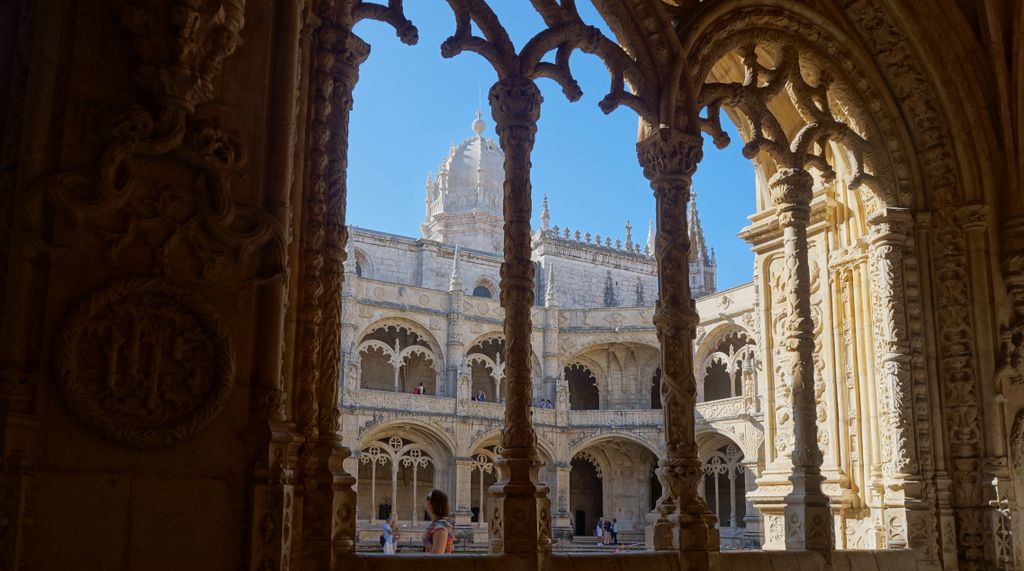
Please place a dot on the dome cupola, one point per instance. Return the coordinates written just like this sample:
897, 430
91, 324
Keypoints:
464, 199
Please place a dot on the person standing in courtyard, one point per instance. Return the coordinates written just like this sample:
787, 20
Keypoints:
615, 531
440, 534
389, 535
599, 531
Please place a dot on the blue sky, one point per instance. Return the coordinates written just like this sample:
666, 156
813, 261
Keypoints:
411, 105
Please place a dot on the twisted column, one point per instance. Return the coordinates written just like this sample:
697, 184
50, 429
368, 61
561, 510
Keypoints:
807, 515
669, 159
515, 107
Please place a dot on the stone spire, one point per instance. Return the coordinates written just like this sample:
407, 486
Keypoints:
455, 281
430, 193
649, 248
545, 215
702, 265
629, 236
350, 254
550, 300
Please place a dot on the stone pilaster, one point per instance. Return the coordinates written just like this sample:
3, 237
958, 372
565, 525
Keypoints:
515, 107
808, 520
561, 526
669, 159
462, 500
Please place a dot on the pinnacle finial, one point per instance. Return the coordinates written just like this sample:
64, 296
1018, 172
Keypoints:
455, 281
478, 125
649, 248
545, 215
550, 299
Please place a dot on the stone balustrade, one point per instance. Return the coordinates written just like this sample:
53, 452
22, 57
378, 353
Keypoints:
429, 404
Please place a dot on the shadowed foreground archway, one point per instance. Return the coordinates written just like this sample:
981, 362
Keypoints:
173, 248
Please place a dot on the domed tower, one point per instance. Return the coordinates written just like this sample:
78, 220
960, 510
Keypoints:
464, 201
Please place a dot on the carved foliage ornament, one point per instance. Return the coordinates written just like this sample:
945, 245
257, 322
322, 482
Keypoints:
145, 363
181, 46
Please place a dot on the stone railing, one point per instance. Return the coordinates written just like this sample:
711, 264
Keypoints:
369, 398
428, 404
720, 409
616, 418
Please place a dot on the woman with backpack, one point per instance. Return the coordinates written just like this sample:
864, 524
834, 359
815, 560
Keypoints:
440, 534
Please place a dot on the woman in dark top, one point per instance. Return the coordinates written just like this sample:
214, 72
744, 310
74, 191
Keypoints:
440, 536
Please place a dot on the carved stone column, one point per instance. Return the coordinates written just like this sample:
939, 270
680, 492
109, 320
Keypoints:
808, 519
329, 502
562, 527
905, 508
669, 159
462, 501
752, 531
455, 352
515, 107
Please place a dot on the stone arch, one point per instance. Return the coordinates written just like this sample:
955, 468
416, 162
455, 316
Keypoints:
363, 264
584, 387
723, 485
395, 357
408, 322
439, 442
487, 284
402, 459
485, 362
613, 484
574, 448
544, 446
724, 364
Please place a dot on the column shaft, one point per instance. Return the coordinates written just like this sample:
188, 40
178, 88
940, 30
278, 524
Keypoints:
669, 159
808, 519
515, 107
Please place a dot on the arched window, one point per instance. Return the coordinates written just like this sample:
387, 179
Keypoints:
482, 291
395, 358
583, 393
721, 375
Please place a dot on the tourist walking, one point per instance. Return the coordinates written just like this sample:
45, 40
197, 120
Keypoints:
389, 536
440, 534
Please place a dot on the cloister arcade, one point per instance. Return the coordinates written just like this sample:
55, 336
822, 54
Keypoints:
188, 381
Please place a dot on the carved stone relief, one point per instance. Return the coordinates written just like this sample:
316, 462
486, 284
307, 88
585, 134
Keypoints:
145, 363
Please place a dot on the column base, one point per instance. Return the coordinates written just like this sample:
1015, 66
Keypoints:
529, 531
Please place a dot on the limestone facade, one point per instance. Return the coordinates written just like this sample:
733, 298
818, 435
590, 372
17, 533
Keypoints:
425, 311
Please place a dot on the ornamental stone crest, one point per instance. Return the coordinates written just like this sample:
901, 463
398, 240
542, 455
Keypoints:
145, 363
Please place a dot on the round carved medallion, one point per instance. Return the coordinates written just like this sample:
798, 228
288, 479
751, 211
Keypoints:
145, 363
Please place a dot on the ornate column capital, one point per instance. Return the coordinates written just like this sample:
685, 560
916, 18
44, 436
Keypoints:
890, 225
974, 216
515, 103
791, 192
670, 153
